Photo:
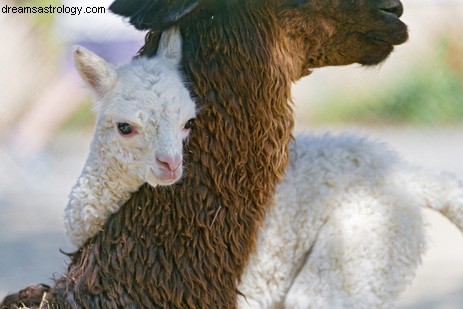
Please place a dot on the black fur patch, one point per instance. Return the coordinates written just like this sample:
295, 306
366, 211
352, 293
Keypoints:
154, 14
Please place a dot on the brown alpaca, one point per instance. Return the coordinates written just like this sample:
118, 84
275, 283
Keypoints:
186, 246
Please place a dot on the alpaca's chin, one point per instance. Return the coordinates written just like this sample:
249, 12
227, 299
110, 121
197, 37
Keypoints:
381, 43
378, 57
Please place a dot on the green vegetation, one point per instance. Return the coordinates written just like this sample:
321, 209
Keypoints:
431, 93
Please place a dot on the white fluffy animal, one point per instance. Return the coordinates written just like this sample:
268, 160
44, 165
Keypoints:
144, 112
346, 230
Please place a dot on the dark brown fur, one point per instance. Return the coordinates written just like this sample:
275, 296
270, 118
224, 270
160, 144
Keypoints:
186, 246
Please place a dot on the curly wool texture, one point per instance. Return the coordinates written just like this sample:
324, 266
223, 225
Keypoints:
347, 228
102, 188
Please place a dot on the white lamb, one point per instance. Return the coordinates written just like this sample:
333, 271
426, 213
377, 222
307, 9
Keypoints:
346, 230
144, 113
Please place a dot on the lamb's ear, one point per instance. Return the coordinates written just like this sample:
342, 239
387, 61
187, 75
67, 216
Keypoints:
95, 71
170, 45
154, 14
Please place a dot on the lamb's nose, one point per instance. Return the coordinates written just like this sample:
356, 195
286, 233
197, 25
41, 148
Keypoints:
170, 163
392, 7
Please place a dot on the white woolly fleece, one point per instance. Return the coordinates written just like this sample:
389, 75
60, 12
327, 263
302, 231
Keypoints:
346, 230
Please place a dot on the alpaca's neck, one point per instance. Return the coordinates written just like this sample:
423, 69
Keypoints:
102, 188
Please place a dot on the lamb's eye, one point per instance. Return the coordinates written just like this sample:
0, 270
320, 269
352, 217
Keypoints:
189, 124
124, 128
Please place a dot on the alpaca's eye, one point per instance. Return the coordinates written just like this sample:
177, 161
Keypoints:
124, 128
189, 124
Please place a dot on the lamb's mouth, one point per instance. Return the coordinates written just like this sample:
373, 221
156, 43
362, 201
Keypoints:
164, 177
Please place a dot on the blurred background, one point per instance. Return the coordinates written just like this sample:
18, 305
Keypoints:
413, 101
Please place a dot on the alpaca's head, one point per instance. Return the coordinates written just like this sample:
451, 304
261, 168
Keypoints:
341, 32
144, 111
317, 32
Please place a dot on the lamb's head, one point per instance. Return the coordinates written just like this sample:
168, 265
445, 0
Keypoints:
144, 111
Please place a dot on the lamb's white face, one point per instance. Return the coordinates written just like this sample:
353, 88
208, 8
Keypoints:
145, 111
148, 116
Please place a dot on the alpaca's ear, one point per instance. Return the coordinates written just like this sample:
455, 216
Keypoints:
154, 14
95, 71
170, 45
